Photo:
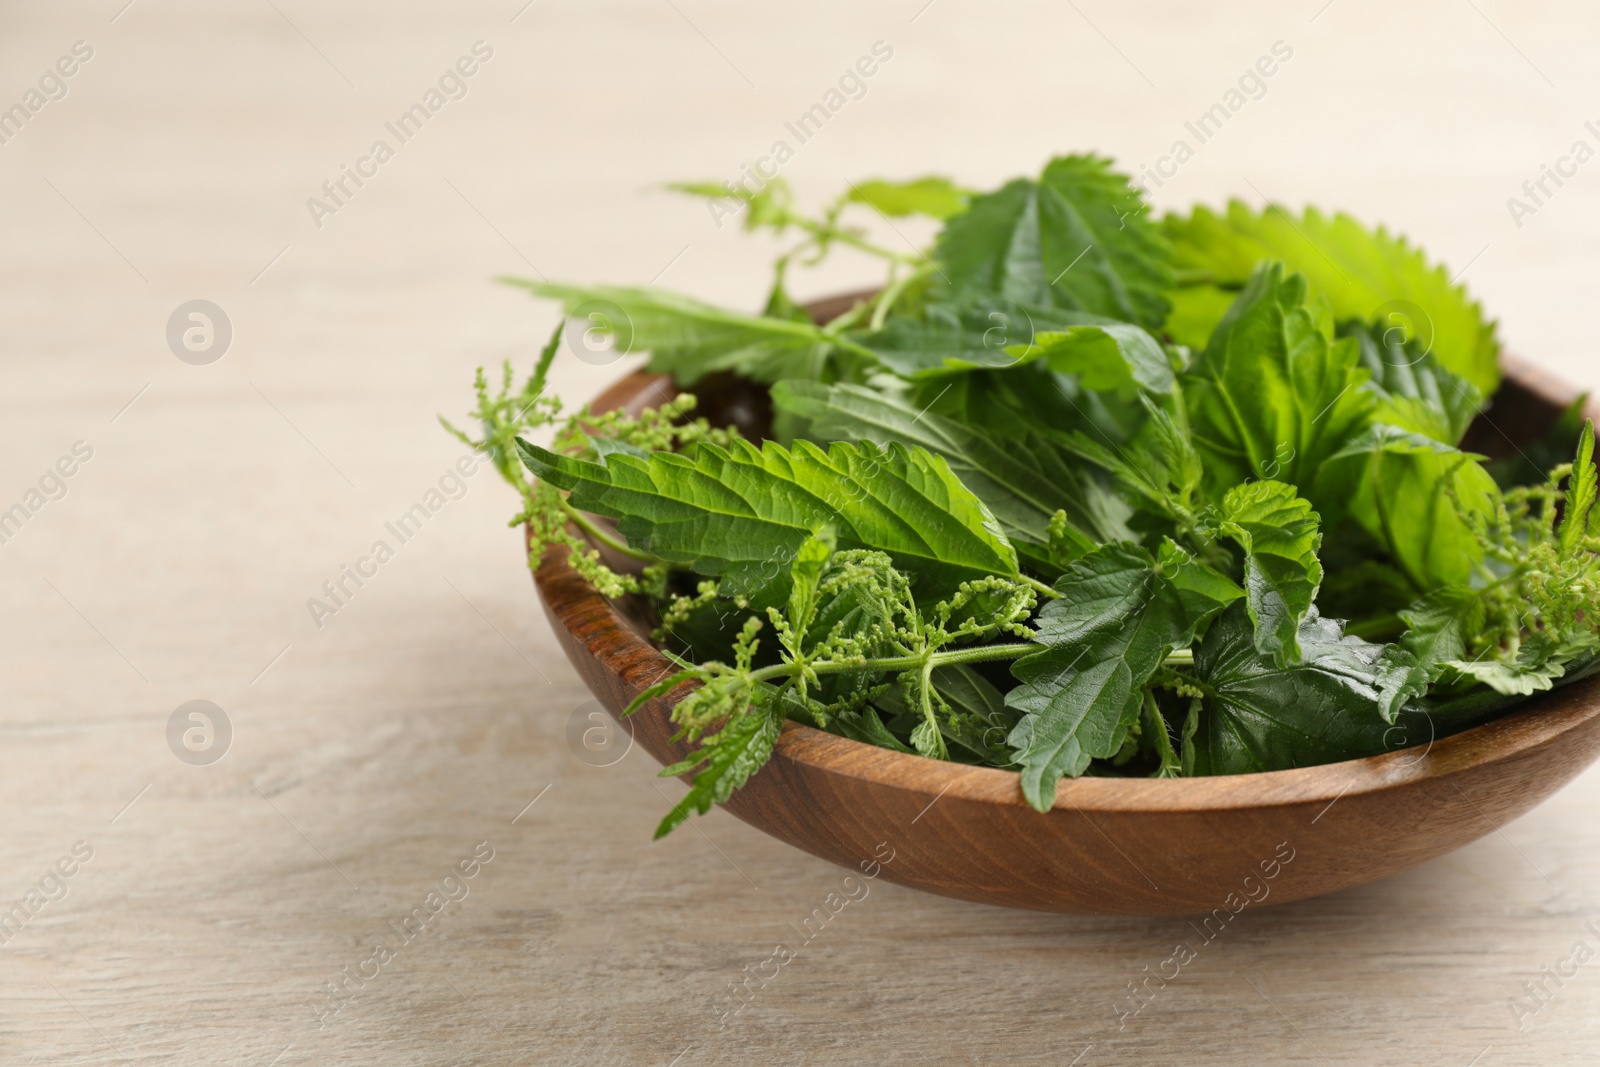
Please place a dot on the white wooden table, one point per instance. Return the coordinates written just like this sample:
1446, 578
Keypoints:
416, 726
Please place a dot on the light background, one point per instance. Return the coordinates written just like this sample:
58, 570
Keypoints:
368, 756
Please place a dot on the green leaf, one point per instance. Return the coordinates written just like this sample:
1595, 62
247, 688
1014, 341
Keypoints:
1114, 358
689, 339
1339, 702
937, 198
1415, 392
743, 512
1116, 620
1024, 480
1274, 395
1442, 626
1196, 310
1416, 496
1540, 661
805, 573
1279, 534
865, 726
1578, 517
1198, 586
1365, 274
1077, 238
964, 336
730, 756
1511, 679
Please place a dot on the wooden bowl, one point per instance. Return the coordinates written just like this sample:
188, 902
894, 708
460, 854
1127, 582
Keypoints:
1121, 846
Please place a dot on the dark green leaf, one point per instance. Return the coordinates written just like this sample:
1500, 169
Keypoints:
964, 336
1340, 702
1077, 238
1117, 618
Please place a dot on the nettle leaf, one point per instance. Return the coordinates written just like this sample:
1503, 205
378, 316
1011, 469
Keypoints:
1364, 273
1077, 238
1415, 496
1533, 671
743, 512
1415, 392
935, 197
689, 339
964, 336
1442, 626
1024, 480
1274, 394
1341, 701
1117, 358
1118, 617
1578, 518
1279, 534
730, 757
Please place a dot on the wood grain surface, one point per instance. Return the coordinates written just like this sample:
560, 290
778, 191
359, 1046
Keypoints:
372, 756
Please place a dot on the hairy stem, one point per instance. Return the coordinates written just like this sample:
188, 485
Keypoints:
583, 522
1039, 587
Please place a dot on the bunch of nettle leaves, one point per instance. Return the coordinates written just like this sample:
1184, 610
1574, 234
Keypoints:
1077, 492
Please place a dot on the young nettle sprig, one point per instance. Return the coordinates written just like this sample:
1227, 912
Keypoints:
508, 414
849, 628
1547, 542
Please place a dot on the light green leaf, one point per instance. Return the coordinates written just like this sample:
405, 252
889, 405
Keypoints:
1274, 395
1280, 537
1363, 273
1114, 358
1077, 238
1198, 586
743, 512
1117, 618
1416, 497
1578, 518
730, 756
937, 198
1533, 671
1442, 626
689, 339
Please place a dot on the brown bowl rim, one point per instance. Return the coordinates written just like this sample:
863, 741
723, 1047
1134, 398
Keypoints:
624, 653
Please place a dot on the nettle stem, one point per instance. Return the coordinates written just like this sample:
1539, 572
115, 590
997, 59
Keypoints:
584, 523
1039, 587
929, 661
